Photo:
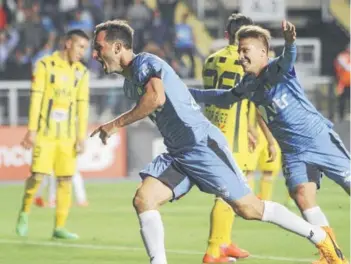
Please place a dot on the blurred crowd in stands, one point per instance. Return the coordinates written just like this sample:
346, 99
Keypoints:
31, 29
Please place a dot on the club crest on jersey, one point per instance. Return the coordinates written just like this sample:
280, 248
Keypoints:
139, 90
78, 74
267, 86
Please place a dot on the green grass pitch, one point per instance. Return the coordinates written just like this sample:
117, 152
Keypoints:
109, 231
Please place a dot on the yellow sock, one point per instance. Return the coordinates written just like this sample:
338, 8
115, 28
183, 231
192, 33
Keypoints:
222, 217
251, 181
63, 201
266, 188
31, 187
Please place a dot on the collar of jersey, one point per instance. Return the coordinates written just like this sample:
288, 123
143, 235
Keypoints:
60, 61
232, 48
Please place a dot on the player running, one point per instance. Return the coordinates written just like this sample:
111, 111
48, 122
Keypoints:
309, 145
198, 153
58, 119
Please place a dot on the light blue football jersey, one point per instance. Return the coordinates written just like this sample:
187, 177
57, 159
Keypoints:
278, 95
179, 120
290, 116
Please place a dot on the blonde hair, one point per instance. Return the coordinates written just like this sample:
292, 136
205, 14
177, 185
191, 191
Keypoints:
254, 31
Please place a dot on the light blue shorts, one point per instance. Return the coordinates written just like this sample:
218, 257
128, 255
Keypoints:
326, 154
209, 165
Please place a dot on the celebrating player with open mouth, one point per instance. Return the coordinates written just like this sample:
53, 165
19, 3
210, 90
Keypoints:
198, 153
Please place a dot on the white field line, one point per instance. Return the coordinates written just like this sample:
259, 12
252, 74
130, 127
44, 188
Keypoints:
121, 248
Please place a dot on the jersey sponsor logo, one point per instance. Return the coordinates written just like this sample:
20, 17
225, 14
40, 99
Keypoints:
281, 102
59, 115
62, 93
269, 112
78, 74
139, 90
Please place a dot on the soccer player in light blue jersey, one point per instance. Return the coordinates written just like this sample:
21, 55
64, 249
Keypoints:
197, 151
308, 143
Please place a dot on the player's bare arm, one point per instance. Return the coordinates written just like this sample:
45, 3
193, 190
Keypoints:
29, 139
153, 98
269, 137
252, 137
80, 146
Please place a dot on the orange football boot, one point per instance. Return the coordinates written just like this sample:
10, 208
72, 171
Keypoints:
234, 251
330, 250
39, 201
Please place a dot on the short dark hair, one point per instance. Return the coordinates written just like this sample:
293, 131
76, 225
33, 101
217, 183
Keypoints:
257, 32
234, 22
116, 30
76, 32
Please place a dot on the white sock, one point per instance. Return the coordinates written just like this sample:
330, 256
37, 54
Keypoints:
315, 216
52, 189
42, 186
78, 187
152, 232
278, 214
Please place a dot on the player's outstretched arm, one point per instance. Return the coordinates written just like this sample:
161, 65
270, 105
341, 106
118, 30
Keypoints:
219, 97
153, 98
287, 59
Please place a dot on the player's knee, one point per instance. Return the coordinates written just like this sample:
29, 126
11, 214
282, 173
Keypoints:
249, 209
144, 201
64, 178
305, 195
268, 176
249, 212
37, 176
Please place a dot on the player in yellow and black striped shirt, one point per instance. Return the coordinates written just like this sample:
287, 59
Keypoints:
222, 70
58, 118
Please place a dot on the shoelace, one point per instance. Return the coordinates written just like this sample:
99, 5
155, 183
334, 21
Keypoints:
329, 256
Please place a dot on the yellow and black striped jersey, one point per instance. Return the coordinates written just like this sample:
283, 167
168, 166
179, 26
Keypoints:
59, 99
222, 70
